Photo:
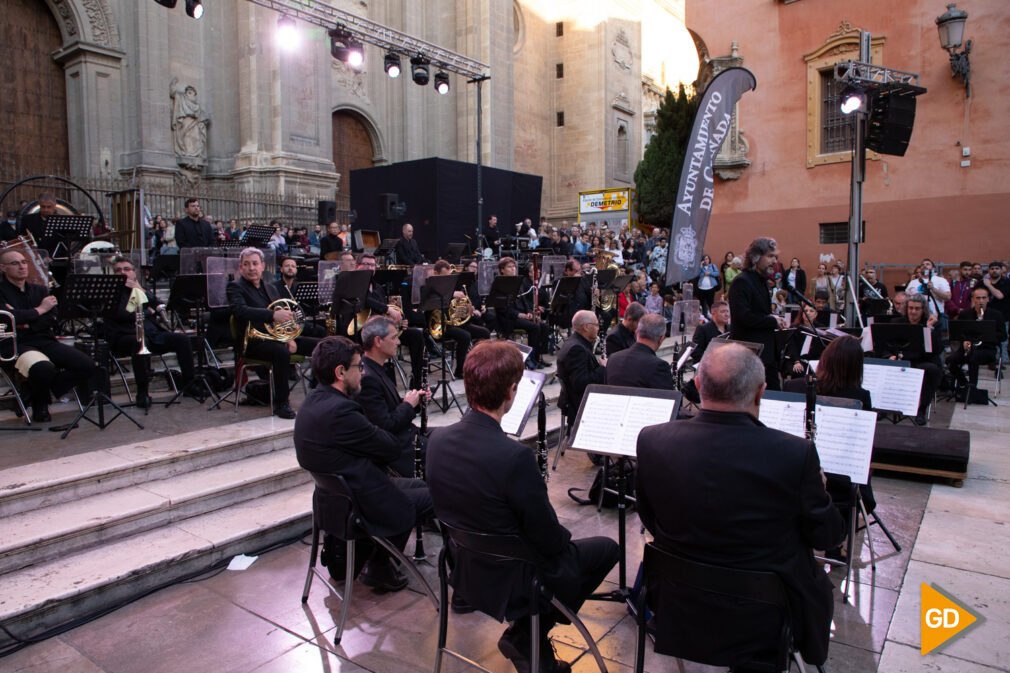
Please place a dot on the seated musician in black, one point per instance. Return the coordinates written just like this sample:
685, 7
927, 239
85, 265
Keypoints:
484, 482
639, 366
794, 357
623, 336
331, 245
716, 328
378, 304
406, 249
35, 223
47, 364
976, 353
582, 299
917, 313
121, 333
577, 365
333, 436
289, 278
250, 296
379, 398
519, 313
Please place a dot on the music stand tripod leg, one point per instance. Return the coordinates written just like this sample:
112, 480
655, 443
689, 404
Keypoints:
866, 529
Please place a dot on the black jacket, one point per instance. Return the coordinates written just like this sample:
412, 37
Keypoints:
619, 339
750, 309
480, 480
724, 489
577, 368
382, 405
330, 244
702, 338
191, 233
332, 435
801, 280
249, 305
408, 252
639, 367
31, 327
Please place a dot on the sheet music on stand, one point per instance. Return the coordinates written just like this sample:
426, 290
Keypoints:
893, 387
529, 388
844, 437
419, 276
610, 417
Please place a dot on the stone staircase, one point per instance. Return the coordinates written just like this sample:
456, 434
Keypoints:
83, 534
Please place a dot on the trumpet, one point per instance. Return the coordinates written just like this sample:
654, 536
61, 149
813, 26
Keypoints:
137, 299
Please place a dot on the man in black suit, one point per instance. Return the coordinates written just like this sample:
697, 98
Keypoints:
249, 296
333, 436
577, 365
722, 488
35, 223
482, 481
623, 336
121, 333
406, 249
639, 366
379, 399
378, 303
193, 231
519, 313
750, 305
44, 362
976, 353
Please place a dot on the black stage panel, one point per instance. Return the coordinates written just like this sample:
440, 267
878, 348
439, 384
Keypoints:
918, 450
440, 196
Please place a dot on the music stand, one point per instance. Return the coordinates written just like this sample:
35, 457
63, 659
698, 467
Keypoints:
306, 293
904, 340
437, 295
385, 248
875, 307
502, 289
66, 228
466, 278
189, 294
257, 235
230, 243
455, 250
350, 291
89, 295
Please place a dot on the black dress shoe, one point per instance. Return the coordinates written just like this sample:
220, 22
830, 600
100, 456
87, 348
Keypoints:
284, 411
383, 577
515, 646
41, 416
144, 402
460, 606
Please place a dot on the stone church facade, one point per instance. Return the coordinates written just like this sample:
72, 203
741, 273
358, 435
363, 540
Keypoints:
148, 94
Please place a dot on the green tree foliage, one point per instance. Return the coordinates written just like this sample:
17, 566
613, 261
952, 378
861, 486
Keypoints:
658, 174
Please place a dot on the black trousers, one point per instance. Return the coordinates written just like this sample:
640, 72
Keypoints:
536, 332
981, 355
413, 339
279, 357
159, 344
67, 368
577, 574
932, 374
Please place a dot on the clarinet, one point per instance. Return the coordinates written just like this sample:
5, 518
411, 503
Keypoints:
542, 437
419, 554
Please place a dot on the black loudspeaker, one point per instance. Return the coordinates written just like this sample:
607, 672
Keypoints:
327, 212
890, 127
388, 205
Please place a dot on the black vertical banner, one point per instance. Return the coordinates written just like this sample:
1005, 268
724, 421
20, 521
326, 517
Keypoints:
696, 192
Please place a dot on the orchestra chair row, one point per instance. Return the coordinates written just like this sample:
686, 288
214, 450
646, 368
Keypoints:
708, 614
500, 549
335, 512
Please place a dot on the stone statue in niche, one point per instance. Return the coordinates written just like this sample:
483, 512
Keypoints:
189, 126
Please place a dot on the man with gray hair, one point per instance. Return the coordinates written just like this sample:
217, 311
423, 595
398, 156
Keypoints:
624, 336
577, 365
724, 489
639, 366
250, 297
750, 305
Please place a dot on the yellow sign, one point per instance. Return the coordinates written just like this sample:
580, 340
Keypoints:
608, 200
942, 618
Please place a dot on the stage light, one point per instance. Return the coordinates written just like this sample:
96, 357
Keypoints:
441, 83
392, 65
287, 33
852, 98
344, 47
419, 70
194, 8
167, 3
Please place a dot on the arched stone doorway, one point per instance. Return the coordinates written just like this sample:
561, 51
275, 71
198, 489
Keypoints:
33, 98
352, 145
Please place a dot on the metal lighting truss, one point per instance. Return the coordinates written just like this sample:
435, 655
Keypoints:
323, 15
